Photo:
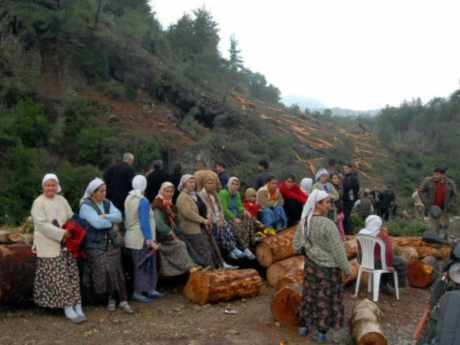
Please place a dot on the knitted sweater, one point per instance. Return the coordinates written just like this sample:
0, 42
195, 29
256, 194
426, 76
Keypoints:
323, 245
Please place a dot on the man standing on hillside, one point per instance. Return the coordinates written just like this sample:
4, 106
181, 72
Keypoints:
350, 195
118, 179
438, 194
223, 174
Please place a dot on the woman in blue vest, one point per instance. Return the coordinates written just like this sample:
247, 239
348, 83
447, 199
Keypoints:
103, 246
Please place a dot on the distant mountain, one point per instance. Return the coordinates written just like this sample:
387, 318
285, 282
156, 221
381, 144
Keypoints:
349, 112
303, 102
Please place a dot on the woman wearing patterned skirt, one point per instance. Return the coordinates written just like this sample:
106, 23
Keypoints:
57, 283
318, 239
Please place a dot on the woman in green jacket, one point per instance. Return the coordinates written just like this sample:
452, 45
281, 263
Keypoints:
244, 223
174, 257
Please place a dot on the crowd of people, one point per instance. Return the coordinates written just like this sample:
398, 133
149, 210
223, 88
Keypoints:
174, 224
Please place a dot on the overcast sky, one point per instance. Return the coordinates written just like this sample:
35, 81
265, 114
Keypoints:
359, 54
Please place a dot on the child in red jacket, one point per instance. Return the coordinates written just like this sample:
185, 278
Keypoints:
250, 203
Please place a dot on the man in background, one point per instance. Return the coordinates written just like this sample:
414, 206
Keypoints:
350, 195
155, 179
264, 175
223, 174
118, 179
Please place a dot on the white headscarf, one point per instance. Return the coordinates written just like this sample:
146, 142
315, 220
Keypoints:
306, 185
164, 186
373, 225
321, 172
51, 177
230, 182
183, 181
139, 184
94, 185
310, 207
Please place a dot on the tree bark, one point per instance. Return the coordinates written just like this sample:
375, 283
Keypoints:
276, 248
421, 274
291, 269
205, 287
286, 304
366, 324
17, 272
408, 253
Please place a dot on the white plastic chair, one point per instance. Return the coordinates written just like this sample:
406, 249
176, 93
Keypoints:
368, 244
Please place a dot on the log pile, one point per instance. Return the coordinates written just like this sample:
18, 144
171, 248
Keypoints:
205, 287
285, 305
422, 273
24, 234
276, 248
366, 324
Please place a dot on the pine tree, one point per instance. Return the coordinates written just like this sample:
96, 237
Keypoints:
236, 61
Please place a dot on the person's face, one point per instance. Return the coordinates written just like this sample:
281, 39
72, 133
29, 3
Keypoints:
290, 183
324, 206
347, 169
210, 185
336, 180
273, 185
235, 187
168, 193
324, 179
100, 194
438, 176
260, 168
190, 185
252, 198
219, 169
50, 188
131, 161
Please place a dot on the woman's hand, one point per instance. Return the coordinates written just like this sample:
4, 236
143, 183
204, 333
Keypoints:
238, 221
104, 216
152, 244
66, 235
248, 214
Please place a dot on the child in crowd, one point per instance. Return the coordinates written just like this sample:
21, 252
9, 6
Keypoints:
250, 203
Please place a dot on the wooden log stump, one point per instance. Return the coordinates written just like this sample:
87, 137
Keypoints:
17, 272
366, 324
408, 253
286, 304
421, 274
351, 247
291, 267
276, 248
205, 287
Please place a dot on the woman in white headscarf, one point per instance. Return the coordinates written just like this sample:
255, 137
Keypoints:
322, 183
195, 225
140, 239
103, 271
57, 282
318, 239
174, 257
374, 228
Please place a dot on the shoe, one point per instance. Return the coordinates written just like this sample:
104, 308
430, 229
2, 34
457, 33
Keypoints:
70, 314
79, 311
230, 267
321, 338
304, 331
126, 308
239, 253
233, 256
138, 297
78, 320
112, 306
155, 294
249, 254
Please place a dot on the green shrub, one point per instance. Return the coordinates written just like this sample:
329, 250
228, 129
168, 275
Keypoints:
402, 227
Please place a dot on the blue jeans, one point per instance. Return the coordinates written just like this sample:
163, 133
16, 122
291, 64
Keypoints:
274, 218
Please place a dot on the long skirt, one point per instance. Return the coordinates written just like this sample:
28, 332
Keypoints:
103, 273
322, 302
145, 270
57, 282
225, 237
245, 232
174, 258
203, 249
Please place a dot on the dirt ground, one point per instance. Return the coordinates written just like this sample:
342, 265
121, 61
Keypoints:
174, 320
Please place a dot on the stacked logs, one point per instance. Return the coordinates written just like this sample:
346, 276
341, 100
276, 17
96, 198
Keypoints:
366, 324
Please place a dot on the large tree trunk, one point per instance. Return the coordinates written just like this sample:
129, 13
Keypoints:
286, 304
221, 286
290, 269
17, 272
365, 323
421, 273
276, 248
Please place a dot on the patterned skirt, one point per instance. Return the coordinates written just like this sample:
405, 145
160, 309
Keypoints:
225, 237
103, 273
322, 302
245, 232
57, 282
174, 258
203, 249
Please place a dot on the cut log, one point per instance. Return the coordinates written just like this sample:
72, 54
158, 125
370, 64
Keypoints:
17, 271
354, 273
408, 242
286, 304
351, 247
366, 324
408, 253
442, 253
276, 248
205, 287
420, 274
292, 267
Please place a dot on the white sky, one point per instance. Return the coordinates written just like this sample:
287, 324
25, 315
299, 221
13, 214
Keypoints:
359, 54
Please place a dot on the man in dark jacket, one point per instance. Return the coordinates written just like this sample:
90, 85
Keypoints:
350, 195
223, 174
438, 194
155, 179
264, 176
118, 179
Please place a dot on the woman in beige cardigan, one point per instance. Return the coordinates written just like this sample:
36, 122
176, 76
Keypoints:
195, 225
57, 282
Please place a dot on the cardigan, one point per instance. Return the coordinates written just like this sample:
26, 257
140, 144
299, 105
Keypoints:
264, 199
226, 199
188, 216
48, 237
139, 222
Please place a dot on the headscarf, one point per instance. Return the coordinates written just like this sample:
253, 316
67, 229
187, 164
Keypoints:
310, 207
167, 204
373, 225
164, 186
183, 181
306, 185
94, 185
139, 184
230, 182
49, 177
321, 172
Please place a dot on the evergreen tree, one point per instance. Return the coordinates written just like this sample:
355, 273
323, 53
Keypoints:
236, 61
